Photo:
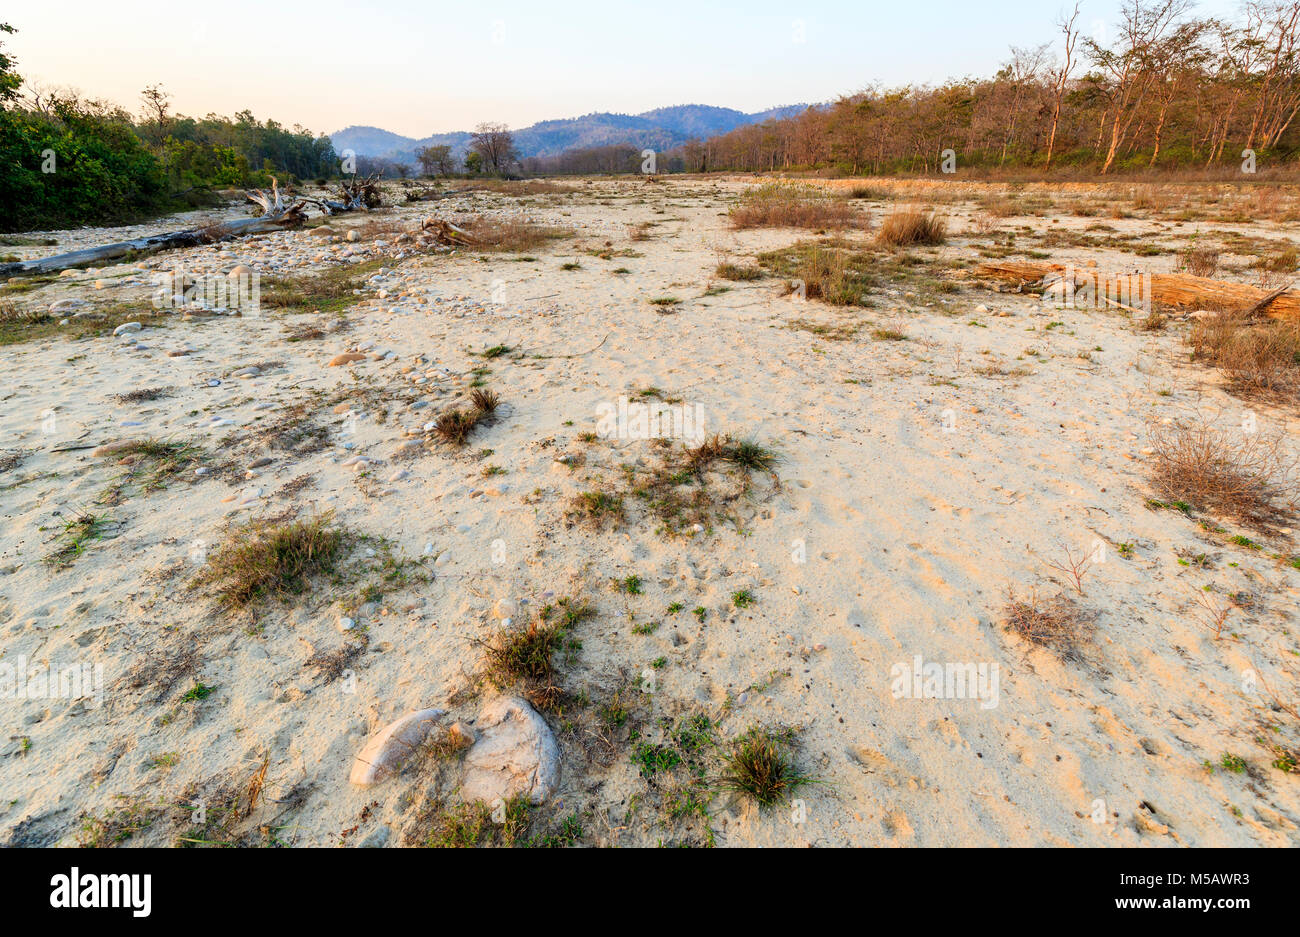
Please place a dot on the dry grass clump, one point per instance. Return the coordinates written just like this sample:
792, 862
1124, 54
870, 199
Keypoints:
1259, 356
824, 272
262, 560
1059, 625
154, 462
454, 426
513, 235
527, 656
1246, 476
737, 273
782, 206
744, 453
597, 509
909, 228
143, 395
1200, 261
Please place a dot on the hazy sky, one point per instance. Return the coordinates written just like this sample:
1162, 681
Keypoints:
420, 68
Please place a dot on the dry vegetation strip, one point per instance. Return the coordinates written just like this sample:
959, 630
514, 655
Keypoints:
783, 206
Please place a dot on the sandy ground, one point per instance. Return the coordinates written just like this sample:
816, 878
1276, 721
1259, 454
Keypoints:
917, 484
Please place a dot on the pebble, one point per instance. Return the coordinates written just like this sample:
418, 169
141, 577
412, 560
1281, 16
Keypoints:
127, 327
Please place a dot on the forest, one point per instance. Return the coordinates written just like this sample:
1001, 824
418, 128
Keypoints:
1160, 89
71, 160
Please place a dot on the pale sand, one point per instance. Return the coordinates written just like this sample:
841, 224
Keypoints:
913, 536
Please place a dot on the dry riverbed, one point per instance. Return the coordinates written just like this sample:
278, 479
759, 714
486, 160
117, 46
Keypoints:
888, 474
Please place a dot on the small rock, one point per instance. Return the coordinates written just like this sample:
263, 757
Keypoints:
385, 752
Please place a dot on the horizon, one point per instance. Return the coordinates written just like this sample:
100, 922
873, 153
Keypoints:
815, 55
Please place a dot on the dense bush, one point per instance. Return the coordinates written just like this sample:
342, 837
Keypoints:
77, 163
70, 161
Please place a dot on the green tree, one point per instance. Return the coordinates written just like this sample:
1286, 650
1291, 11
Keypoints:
10, 81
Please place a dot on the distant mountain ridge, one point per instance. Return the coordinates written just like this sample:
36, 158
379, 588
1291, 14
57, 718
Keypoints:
660, 129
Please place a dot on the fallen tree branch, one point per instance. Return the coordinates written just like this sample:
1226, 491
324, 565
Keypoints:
358, 195
1170, 290
444, 232
276, 216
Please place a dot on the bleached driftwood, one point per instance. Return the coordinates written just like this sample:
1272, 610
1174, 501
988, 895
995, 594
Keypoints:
444, 232
276, 216
358, 195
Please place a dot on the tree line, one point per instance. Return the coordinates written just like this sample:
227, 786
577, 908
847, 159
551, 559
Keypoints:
1166, 89
70, 160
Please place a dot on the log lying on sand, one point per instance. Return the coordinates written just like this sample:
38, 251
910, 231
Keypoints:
444, 232
276, 216
1168, 290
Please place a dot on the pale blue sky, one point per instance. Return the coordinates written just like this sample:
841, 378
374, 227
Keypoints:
419, 68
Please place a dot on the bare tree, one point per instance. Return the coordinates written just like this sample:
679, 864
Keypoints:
1062, 77
1142, 24
495, 146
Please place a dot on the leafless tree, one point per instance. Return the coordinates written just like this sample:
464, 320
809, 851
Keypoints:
495, 146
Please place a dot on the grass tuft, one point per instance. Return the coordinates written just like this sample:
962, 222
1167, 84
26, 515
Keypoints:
260, 560
760, 766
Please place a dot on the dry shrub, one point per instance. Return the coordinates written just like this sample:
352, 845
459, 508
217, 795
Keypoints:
512, 235
1059, 624
908, 228
1259, 356
1246, 476
454, 426
1200, 261
779, 206
1149, 198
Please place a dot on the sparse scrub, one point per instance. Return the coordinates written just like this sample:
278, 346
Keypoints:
513, 236
1258, 356
737, 273
783, 206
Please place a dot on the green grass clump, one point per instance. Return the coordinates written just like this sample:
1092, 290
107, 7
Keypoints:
759, 766
77, 533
